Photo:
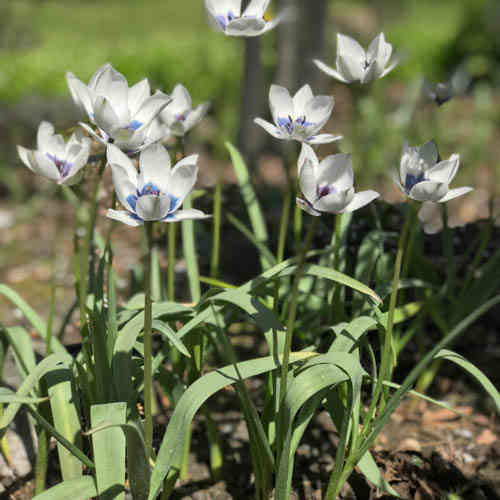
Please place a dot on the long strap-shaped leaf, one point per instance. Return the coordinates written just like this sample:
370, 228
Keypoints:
76, 489
196, 394
255, 214
52, 362
31, 315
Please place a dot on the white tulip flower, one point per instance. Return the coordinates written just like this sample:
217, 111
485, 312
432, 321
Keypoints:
226, 16
354, 64
299, 118
422, 178
55, 159
328, 186
179, 115
157, 191
122, 114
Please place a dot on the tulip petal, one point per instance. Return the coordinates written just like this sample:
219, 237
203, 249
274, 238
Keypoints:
104, 115
428, 191
151, 107
125, 217
351, 58
94, 134
151, 207
117, 157
454, 193
45, 167
336, 170
280, 102
190, 213
26, 156
256, 8
379, 52
44, 137
324, 138
300, 99
183, 178
137, 94
80, 93
154, 167
195, 116
445, 170
335, 202
246, 26
361, 199
126, 190
429, 153
307, 175
318, 111
270, 128
306, 207
329, 70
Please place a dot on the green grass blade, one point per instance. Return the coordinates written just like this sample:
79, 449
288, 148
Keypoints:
137, 462
52, 362
30, 314
65, 414
171, 335
189, 248
9, 396
370, 470
473, 371
173, 441
255, 214
77, 489
22, 345
109, 447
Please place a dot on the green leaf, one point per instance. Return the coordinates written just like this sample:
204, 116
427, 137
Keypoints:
9, 396
189, 247
171, 335
77, 489
255, 214
473, 371
370, 470
65, 414
52, 362
31, 315
197, 393
22, 345
137, 462
348, 335
109, 447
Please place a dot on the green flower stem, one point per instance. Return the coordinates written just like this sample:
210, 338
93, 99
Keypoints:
335, 309
214, 261
172, 235
386, 353
291, 322
148, 357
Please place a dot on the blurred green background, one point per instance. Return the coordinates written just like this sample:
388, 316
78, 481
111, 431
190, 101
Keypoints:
170, 41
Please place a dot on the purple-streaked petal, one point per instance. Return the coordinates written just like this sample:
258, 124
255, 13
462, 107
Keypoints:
152, 207
361, 199
125, 217
454, 193
270, 128
428, 191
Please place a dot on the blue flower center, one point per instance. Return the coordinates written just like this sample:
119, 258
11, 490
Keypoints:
302, 121
62, 165
224, 20
148, 190
411, 180
134, 125
286, 123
